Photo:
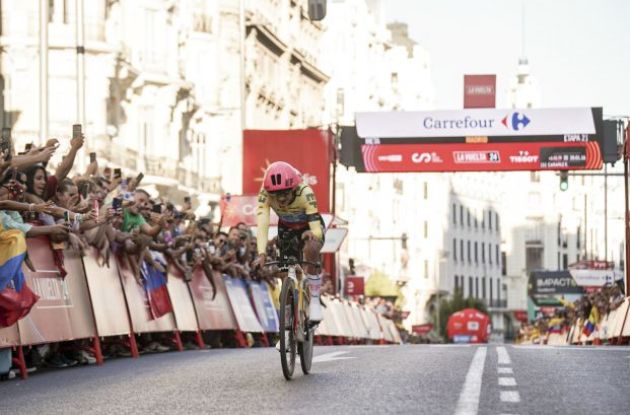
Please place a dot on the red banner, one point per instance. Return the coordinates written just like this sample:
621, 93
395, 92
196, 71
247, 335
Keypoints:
481, 157
241, 209
307, 150
355, 285
422, 328
480, 91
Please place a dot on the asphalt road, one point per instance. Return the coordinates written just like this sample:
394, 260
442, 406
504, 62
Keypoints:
439, 379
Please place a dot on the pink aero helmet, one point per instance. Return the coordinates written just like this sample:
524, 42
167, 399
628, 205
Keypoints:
281, 176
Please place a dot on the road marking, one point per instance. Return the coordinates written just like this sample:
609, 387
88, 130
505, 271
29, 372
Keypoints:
507, 381
451, 345
510, 396
469, 397
505, 370
329, 357
504, 358
600, 348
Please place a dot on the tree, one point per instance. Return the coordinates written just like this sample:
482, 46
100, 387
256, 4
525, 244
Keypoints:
448, 306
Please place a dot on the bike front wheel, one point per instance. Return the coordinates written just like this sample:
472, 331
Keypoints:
306, 350
288, 304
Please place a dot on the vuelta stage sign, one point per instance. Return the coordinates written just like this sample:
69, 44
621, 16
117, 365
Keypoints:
478, 139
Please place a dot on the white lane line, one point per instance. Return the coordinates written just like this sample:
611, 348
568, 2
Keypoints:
329, 357
504, 358
598, 348
507, 381
468, 403
510, 396
505, 370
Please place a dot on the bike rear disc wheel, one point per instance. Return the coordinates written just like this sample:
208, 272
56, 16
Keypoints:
287, 328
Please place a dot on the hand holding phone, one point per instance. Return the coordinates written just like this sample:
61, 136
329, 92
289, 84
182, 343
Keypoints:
117, 203
77, 136
117, 174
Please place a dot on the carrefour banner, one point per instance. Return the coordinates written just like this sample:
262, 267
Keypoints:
576, 123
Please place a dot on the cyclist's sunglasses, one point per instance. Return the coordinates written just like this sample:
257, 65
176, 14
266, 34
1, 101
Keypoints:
281, 193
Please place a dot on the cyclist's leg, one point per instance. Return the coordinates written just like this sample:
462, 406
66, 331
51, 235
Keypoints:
311, 253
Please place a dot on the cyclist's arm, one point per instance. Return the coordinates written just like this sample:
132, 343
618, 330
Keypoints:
262, 215
312, 213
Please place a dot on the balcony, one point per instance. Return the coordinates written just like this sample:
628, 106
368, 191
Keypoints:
496, 304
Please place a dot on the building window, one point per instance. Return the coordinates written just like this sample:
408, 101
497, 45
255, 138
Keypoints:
483, 253
490, 286
468, 249
496, 253
490, 220
475, 221
426, 229
468, 213
503, 264
490, 254
476, 256
456, 283
498, 290
476, 287
470, 286
454, 214
455, 249
483, 287
483, 219
461, 250
461, 215
496, 215
579, 236
565, 261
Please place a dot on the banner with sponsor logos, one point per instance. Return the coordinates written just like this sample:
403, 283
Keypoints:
478, 122
266, 312
64, 310
480, 157
481, 139
309, 150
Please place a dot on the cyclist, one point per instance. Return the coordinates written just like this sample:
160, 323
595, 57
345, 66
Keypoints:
294, 203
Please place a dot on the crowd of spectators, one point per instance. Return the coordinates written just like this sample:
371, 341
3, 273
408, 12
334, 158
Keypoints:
108, 212
607, 299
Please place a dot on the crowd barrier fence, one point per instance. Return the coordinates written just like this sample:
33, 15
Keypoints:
95, 300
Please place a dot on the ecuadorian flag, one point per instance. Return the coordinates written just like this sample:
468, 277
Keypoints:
16, 299
591, 323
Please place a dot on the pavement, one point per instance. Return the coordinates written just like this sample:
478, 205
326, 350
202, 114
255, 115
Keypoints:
410, 379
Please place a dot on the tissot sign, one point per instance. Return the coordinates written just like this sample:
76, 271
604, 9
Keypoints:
480, 139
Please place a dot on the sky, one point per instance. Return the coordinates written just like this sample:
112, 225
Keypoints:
578, 50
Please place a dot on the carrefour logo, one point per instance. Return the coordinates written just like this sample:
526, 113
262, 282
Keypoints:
515, 121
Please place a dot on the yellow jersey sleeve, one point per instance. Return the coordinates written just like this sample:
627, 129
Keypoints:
312, 212
262, 219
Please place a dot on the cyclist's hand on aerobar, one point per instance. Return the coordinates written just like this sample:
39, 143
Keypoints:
260, 261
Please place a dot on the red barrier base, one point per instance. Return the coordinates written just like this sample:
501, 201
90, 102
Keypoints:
240, 339
177, 339
199, 340
133, 346
20, 362
96, 349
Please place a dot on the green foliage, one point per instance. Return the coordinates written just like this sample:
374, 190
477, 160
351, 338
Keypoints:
452, 305
379, 285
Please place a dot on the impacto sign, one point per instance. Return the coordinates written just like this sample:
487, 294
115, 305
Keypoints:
576, 123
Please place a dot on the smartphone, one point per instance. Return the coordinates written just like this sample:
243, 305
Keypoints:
117, 203
189, 256
187, 199
139, 178
92, 157
157, 208
117, 174
84, 190
76, 131
28, 147
5, 143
